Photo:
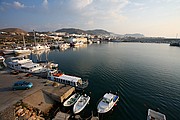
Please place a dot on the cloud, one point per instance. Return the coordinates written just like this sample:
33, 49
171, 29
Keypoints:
80, 4
45, 4
17, 5
89, 13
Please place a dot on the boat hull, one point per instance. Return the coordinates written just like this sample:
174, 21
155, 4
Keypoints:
107, 107
17, 52
69, 102
81, 104
8, 52
155, 115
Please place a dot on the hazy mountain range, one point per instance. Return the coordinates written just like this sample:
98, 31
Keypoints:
96, 32
76, 31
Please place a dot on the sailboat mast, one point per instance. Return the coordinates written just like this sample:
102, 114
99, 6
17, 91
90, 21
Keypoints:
34, 38
24, 42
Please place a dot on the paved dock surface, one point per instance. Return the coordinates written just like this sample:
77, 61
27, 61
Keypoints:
9, 96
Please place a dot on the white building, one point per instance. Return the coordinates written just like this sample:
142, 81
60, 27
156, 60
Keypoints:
77, 40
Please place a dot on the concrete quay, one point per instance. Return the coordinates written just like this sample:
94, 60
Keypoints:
42, 95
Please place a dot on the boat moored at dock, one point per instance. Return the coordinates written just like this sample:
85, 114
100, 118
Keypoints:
74, 81
26, 65
2, 59
8, 52
107, 103
81, 103
70, 101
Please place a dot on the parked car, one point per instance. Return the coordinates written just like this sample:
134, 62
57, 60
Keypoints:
22, 85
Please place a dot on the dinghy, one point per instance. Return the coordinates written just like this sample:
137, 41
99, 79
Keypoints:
81, 103
70, 101
154, 115
107, 102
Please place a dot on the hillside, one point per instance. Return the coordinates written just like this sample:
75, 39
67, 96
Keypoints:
98, 32
71, 30
13, 30
79, 31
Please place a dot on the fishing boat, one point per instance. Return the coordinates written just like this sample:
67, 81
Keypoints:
74, 81
153, 115
107, 102
81, 103
71, 100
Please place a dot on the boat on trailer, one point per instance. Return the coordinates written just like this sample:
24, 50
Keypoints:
70, 101
154, 115
74, 81
81, 103
107, 102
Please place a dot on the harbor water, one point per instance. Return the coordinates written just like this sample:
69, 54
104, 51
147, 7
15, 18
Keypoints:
144, 75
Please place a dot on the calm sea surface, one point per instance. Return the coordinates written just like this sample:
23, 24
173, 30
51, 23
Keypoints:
145, 76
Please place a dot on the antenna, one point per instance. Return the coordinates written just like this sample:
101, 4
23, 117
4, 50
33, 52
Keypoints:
176, 35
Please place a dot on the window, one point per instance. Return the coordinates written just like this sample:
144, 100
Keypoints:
68, 82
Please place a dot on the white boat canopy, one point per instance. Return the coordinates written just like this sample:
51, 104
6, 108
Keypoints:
69, 78
30, 65
108, 96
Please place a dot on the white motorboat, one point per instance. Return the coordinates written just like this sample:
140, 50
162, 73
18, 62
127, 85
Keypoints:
153, 115
64, 46
107, 102
8, 52
78, 44
70, 101
26, 65
40, 47
81, 103
2, 59
22, 51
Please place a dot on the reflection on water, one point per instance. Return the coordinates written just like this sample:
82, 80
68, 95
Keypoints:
146, 76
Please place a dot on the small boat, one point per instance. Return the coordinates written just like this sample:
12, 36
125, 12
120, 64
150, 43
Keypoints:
2, 63
153, 115
2, 59
64, 46
107, 102
8, 52
71, 100
40, 47
22, 51
81, 103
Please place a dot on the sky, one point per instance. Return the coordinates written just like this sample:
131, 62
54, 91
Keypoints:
153, 18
